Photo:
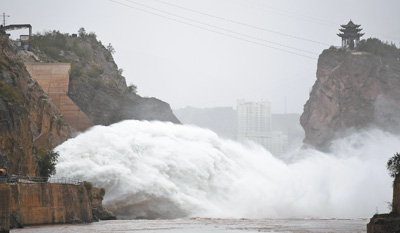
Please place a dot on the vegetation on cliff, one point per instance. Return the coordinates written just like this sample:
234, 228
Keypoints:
47, 160
379, 48
393, 165
97, 85
90, 60
354, 90
28, 117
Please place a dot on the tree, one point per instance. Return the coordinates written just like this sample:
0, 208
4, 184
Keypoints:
110, 48
132, 88
120, 71
47, 160
82, 32
393, 165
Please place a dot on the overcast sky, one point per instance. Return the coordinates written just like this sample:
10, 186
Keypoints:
209, 53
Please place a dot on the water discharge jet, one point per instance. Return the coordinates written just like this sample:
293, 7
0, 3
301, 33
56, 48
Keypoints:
162, 170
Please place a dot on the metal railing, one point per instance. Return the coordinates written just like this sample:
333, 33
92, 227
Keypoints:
37, 179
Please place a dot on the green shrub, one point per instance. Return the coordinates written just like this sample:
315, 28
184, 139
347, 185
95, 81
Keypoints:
132, 88
92, 36
95, 71
76, 71
110, 48
379, 48
82, 32
53, 52
51, 43
102, 192
393, 165
9, 93
47, 160
87, 185
84, 52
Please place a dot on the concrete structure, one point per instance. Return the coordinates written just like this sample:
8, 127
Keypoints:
253, 117
254, 124
25, 204
45, 203
54, 79
4, 208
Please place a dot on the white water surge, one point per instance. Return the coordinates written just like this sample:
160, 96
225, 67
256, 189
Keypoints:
162, 170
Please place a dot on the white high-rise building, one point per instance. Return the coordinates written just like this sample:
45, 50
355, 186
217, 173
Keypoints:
254, 118
254, 124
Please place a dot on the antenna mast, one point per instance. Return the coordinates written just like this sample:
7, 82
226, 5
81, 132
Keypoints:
4, 19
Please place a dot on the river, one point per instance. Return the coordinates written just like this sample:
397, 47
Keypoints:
214, 225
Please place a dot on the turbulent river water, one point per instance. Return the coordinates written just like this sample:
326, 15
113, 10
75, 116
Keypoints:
164, 171
207, 225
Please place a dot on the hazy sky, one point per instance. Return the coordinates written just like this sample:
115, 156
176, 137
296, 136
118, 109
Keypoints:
209, 53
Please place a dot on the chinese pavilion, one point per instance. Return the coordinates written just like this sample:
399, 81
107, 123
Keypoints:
350, 34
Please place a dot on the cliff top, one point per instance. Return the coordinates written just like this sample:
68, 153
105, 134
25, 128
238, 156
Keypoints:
354, 90
97, 85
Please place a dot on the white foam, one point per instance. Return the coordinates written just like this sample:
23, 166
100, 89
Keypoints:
162, 170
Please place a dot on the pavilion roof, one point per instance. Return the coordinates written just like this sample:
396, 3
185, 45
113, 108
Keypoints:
350, 30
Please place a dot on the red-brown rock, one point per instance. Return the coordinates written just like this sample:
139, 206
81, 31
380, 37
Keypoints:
354, 90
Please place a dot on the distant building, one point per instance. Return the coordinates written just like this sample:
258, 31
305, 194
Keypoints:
350, 35
253, 117
254, 124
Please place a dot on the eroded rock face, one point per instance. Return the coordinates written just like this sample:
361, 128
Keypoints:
105, 108
353, 90
45, 203
28, 117
98, 211
96, 83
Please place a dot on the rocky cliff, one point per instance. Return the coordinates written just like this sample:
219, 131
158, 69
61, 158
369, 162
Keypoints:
45, 203
388, 223
355, 89
31, 203
97, 85
28, 117
98, 211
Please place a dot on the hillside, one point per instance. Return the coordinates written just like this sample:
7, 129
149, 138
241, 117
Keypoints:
222, 120
354, 90
30, 119
97, 85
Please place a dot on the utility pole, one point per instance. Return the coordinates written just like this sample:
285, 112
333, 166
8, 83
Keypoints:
4, 19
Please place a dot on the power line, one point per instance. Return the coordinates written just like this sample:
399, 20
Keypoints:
294, 14
214, 31
220, 28
310, 19
240, 23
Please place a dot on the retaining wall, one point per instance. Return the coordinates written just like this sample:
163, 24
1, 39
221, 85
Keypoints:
4, 208
43, 203
54, 80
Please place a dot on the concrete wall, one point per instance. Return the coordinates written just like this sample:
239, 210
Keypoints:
54, 79
4, 208
44, 203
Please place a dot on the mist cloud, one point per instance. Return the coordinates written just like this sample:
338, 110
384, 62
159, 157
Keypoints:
162, 170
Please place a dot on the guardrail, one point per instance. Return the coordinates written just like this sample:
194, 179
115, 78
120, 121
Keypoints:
37, 179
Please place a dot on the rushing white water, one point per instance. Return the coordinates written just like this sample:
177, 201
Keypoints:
162, 170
